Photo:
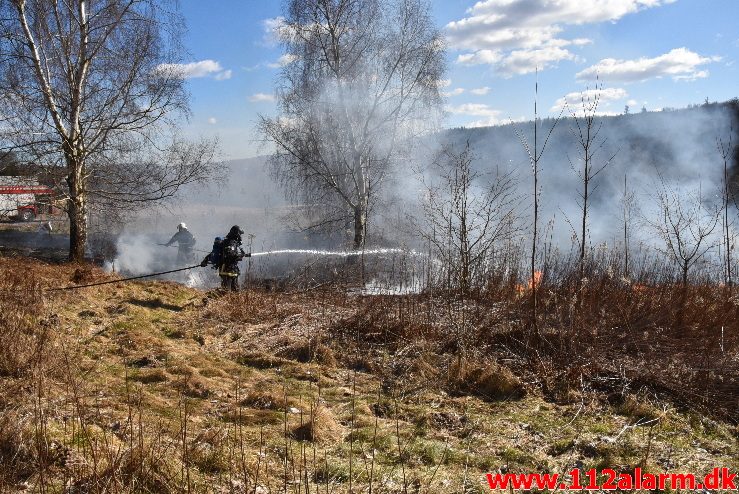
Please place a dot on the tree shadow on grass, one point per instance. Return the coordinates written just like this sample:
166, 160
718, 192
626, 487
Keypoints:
156, 303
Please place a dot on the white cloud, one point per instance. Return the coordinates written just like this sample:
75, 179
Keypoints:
694, 76
480, 91
605, 97
222, 76
485, 122
444, 83
479, 57
679, 63
285, 59
261, 97
194, 70
520, 34
547, 12
274, 30
454, 92
490, 115
581, 41
526, 61
474, 109
484, 33
212, 120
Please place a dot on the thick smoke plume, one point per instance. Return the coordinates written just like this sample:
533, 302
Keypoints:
675, 148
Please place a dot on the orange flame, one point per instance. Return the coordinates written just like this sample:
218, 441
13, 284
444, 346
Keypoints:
534, 282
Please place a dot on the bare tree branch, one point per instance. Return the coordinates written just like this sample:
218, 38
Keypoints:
363, 78
86, 92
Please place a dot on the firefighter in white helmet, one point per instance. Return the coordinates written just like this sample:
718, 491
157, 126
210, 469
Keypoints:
185, 243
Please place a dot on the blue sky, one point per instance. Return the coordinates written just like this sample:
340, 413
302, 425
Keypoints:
653, 53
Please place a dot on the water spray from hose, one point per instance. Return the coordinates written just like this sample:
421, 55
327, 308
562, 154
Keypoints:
338, 253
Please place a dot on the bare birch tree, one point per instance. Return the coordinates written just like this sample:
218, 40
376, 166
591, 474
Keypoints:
468, 214
363, 79
91, 87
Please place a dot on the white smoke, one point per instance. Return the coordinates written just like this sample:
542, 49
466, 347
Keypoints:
136, 255
679, 146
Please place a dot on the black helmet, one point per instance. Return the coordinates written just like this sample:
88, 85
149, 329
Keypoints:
235, 233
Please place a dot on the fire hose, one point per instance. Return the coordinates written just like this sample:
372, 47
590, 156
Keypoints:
251, 254
121, 280
109, 282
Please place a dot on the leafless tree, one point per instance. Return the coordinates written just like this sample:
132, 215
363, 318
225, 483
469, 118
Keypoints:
535, 154
361, 79
628, 206
685, 224
92, 88
725, 148
586, 127
467, 214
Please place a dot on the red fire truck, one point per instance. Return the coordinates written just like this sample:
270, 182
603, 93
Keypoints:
25, 199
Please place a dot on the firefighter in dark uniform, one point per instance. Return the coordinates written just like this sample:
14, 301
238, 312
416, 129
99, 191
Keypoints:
230, 255
185, 243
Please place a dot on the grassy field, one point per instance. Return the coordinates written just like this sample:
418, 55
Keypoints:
156, 387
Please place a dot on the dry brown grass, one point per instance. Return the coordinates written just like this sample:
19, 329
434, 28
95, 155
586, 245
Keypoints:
132, 409
17, 455
87, 273
193, 386
268, 399
638, 407
138, 469
321, 427
615, 336
310, 351
150, 376
27, 326
246, 307
679, 342
488, 381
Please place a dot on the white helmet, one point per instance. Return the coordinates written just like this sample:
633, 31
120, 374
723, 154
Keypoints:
182, 226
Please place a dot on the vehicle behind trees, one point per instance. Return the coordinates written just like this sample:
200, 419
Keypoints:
94, 90
25, 199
